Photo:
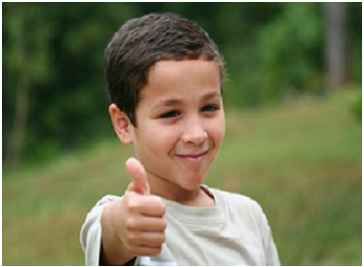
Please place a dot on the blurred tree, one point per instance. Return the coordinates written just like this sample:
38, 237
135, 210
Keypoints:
354, 42
26, 41
335, 44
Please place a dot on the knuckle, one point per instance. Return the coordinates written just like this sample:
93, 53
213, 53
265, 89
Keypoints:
162, 238
133, 205
131, 224
161, 207
158, 240
158, 250
158, 203
163, 224
132, 240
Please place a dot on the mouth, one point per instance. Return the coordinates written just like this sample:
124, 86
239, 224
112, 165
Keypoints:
193, 158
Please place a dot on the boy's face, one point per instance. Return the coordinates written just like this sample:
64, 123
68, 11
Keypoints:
180, 124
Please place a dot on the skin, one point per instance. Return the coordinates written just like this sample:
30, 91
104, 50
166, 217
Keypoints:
180, 128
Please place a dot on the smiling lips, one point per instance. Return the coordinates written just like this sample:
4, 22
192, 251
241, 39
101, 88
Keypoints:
193, 158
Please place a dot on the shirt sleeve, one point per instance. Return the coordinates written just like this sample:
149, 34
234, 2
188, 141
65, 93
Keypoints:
91, 231
271, 253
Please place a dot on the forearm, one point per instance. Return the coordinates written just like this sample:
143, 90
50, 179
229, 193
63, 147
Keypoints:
111, 252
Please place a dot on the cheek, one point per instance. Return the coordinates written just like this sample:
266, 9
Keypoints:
218, 132
160, 142
152, 150
219, 138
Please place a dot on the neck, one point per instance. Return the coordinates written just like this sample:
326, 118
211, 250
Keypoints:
195, 198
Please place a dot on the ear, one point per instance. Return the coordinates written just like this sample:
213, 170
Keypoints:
122, 125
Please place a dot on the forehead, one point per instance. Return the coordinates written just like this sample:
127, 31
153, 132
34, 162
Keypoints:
173, 71
172, 77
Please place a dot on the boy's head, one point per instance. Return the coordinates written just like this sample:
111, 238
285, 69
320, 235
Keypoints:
165, 79
140, 43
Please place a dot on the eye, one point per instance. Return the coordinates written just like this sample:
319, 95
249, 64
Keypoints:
170, 114
209, 108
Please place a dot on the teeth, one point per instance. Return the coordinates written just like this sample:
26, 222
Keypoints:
192, 156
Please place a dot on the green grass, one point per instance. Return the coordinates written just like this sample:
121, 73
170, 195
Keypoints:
302, 163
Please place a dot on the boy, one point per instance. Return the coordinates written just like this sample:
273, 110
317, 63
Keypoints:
165, 78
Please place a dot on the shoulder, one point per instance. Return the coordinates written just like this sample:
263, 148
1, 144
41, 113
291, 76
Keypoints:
240, 204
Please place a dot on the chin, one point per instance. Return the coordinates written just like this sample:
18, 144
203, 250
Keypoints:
193, 183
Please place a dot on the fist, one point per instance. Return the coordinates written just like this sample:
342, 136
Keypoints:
134, 225
144, 224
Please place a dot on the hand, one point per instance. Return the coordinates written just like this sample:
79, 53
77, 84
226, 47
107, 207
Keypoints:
134, 225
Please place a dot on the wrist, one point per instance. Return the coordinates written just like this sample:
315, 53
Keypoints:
111, 252
109, 256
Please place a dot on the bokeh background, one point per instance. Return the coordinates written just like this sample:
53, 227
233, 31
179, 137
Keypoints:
293, 112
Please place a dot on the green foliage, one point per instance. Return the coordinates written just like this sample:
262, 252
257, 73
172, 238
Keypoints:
290, 48
285, 55
356, 108
355, 42
302, 163
272, 50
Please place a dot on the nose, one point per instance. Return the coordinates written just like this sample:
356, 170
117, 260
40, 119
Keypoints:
194, 131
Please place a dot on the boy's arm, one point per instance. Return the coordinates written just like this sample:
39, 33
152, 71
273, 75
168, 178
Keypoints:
97, 252
108, 254
129, 227
91, 231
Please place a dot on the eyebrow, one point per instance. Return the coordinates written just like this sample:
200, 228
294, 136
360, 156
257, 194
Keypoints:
211, 95
177, 102
169, 103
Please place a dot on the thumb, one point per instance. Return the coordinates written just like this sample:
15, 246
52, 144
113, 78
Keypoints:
137, 172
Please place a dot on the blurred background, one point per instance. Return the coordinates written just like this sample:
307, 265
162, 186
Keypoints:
293, 112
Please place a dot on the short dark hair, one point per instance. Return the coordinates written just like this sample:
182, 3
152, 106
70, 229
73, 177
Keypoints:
141, 42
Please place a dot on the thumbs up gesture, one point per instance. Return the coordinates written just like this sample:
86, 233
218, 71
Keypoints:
134, 225
137, 172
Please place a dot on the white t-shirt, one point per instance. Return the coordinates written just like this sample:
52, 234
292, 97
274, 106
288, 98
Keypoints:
233, 232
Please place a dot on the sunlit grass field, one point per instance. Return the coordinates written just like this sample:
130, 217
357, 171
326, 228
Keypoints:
302, 162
